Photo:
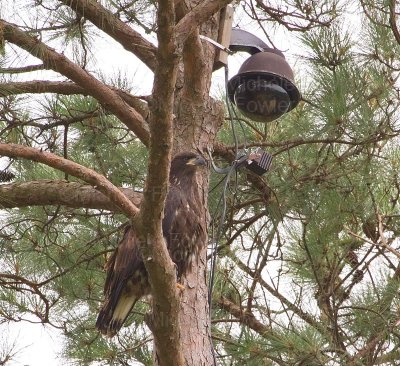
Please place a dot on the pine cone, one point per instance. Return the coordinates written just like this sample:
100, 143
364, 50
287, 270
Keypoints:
352, 259
358, 276
6, 176
370, 229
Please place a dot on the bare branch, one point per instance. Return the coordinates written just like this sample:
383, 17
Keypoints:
106, 21
225, 151
58, 62
66, 88
292, 307
245, 317
20, 70
299, 18
382, 243
59, 192
392, 20
102, 184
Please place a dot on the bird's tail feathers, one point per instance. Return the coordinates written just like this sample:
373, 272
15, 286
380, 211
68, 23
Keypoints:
110, 319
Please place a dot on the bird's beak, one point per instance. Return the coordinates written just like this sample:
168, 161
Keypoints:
198, 161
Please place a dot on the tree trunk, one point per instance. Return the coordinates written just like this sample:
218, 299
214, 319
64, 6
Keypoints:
198, 119
194, 316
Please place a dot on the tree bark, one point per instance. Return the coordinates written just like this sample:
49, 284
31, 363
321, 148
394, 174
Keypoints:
59, 192
198, 119
67, 88
101, 183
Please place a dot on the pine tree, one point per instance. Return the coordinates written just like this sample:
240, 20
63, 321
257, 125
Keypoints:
307, 268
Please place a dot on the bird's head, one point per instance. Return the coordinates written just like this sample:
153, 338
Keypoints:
186, 163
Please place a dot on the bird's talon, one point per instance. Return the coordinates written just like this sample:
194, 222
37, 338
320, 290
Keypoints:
180, 287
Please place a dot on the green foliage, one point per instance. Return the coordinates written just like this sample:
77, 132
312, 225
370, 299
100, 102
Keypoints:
335, 172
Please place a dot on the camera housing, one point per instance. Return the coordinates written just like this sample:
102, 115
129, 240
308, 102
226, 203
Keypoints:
264, 88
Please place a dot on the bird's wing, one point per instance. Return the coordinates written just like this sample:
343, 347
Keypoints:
120, 265
126, 282
183, 228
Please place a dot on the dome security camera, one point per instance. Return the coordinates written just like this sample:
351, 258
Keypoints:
264, 88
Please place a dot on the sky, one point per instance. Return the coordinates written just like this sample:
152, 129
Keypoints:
34, 344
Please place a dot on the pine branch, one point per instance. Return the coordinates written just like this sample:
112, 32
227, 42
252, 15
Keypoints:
278, 15
292, 307
106, 21
226, 150
20, 70
59, 63
59, 192
245, 317
245, 227
101, 184
367, 351
9, 280
160, 268
392, 20
66, 88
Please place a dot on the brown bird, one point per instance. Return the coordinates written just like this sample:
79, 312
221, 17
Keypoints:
184, 233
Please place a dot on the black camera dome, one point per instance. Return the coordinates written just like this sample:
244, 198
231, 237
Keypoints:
264, 88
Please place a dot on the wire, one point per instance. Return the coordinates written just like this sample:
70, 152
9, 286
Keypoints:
219, 232
240, 156
228, 171
243, 131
